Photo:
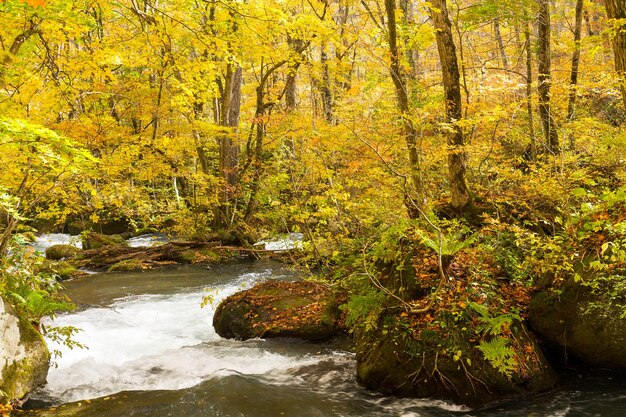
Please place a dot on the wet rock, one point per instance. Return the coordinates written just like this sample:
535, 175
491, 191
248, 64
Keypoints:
93, 240
305, 310
582, 323
394, 359
24, 357
58, 252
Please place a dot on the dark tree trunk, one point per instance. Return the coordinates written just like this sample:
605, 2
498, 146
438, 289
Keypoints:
16, 45
498, 34
325, 87
229, 148
544, 77
461, 198
410, 133
290, 92
575, 59
529, 92
571, 105
412, 53
616, 9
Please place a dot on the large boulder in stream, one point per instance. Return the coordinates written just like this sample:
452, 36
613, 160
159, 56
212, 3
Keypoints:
305, 310
585, 323
93, 240
59, 252
404, 356
24, 357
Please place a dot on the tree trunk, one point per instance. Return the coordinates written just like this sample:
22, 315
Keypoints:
529, 93
258, 149
575, 59
410, 133
290, 92
616, 9
325, 91
461, 198
412, 53
544, 77
229, 148
571, 105
16, 45
498, 34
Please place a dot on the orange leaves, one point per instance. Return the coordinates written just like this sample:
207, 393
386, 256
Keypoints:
32, 3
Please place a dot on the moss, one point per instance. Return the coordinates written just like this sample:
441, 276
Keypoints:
291, 302
582, 323
58, 252
145, 231
127, 265
93, 240
187, 257
444, 364
29, 236
63, 269
280, 309
25, 375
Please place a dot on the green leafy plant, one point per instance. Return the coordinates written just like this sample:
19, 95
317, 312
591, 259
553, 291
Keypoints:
363, 309
449, 244
499, 354
34, 294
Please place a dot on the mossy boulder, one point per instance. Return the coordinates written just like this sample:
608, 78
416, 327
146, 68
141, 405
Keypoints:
305, 310
128, 265
24, 357
449, 363
58, 252
62, 269
144, 231
93, 240
582, 322
197, 255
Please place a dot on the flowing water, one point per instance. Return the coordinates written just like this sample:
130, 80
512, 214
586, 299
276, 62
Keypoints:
43, 242
152, 351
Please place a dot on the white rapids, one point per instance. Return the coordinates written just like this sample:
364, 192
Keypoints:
156, 341
43, 242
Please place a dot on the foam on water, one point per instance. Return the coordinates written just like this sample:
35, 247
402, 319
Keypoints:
152, 239
289, 242
43, 242
151, 342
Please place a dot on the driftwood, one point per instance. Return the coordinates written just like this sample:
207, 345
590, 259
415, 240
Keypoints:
172, 252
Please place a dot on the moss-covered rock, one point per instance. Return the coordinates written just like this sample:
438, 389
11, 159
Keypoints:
583, 323
24, 357
128, 265
62, 269
93, 240
58, 252
305, 310
451, 363
197, 255
144, 231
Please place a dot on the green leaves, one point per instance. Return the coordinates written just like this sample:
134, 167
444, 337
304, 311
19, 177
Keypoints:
500, 355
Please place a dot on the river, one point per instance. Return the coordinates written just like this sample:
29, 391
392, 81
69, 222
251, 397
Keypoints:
152, 351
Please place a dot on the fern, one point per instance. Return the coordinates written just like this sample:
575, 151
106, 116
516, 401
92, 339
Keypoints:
500, 355
493, 325
363, 309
